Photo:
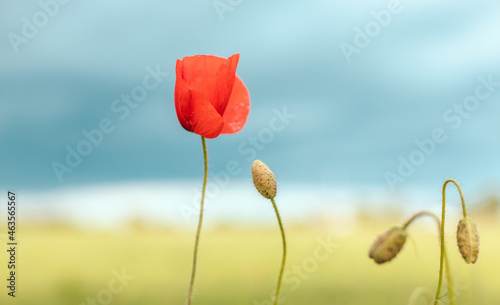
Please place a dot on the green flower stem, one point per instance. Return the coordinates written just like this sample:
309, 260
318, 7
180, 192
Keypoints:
200, 221
407, 223
443, 253
441, 237
449, 280
284, 252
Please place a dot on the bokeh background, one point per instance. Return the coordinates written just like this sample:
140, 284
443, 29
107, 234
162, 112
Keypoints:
377, 103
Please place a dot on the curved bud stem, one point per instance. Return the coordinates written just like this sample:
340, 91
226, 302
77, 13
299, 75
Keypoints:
444, 255
443, 252
284, 252
459, 191
423, 213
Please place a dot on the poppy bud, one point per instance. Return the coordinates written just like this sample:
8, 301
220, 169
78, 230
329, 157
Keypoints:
263, 179
388, 245
468, 240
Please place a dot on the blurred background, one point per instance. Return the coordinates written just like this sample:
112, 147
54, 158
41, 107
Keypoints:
361, 109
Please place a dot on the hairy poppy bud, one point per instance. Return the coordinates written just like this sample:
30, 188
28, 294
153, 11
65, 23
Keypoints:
468, 240
263, 179
388, 245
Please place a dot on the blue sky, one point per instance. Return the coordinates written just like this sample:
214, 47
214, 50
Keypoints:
351, 121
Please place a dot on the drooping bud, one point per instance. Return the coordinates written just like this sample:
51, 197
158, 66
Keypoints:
468, 240
263, 179
388, 245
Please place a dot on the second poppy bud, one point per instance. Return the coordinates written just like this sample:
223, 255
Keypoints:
263, 179
468, 240
388, 245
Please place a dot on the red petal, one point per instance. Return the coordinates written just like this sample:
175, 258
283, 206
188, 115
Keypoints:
206, 121
182, 97
225, 83
212, 75
200, 67
237, 109
194, 110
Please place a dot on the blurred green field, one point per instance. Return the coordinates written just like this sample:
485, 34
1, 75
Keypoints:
238, 265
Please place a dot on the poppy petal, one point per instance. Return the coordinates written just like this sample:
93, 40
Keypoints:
194, 110
237, 109
206, 121
225, 83
182, 97
212, 75
200, 67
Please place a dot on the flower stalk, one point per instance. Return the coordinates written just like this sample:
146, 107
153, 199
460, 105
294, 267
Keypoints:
200, 221
280, 277
265, 183
444, 254
468, 248
388, 245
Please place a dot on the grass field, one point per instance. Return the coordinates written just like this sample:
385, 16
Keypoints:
238, 265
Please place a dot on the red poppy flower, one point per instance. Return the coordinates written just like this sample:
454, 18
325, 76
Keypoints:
209, 98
